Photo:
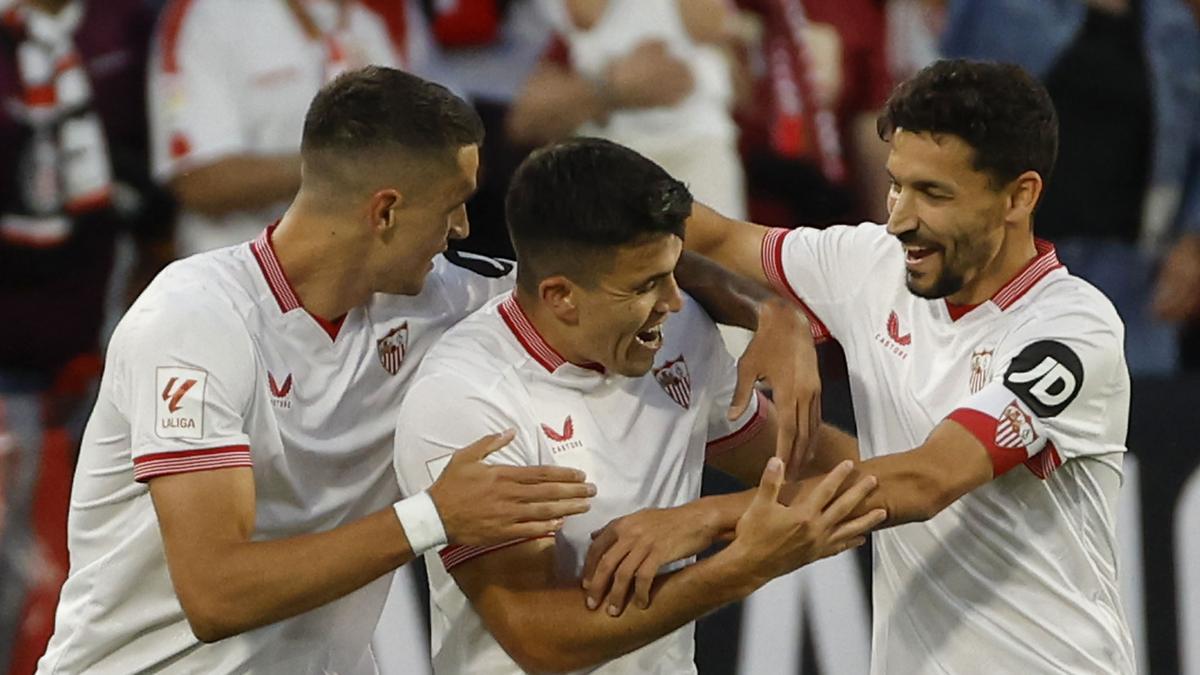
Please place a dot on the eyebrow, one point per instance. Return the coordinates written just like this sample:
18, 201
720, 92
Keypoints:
924, 185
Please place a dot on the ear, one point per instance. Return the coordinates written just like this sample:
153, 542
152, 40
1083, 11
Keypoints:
1024, 193
561, 295
382, 212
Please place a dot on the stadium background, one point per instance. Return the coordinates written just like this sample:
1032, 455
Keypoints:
836, 60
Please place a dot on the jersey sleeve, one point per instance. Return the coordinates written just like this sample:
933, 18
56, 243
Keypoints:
194, 118
723, 434
1060, 391
820, 269
185, 379
442, 413
470, 280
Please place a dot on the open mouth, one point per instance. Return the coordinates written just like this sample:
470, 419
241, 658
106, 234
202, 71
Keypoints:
651, 338
915, 255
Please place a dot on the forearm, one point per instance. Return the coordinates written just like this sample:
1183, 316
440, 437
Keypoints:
243, 585
831, 447
554, 103
238, 183
729, 298
553, 630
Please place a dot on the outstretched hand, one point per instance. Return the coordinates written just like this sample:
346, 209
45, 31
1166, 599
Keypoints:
481, 504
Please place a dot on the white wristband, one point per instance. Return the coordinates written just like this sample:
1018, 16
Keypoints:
421, 522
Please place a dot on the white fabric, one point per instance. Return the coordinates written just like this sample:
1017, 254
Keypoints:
235, 77
636, 442
313, 416
422, 525
1020, 574
696, 139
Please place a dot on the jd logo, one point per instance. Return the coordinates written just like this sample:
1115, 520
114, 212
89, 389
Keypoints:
1047, 376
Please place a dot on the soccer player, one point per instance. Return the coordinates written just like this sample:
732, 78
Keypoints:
602, 365
234, 507
989, 384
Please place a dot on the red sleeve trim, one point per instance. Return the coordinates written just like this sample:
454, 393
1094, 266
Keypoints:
772, 263
983, 426
748, 430
186, 461
457, 554
1045, 462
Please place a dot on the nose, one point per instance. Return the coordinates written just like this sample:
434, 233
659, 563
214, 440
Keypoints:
460, 224
671, 299
902, 214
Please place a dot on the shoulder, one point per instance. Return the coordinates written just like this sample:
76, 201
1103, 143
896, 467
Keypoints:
190, 300
474, 351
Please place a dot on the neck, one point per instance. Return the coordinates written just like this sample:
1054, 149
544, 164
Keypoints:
1015, 253
317, 256
553, 331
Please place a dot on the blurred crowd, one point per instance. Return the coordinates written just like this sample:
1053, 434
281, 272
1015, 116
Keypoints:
134, 132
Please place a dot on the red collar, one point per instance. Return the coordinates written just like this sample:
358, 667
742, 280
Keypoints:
281, 288
529, 337
1034, 271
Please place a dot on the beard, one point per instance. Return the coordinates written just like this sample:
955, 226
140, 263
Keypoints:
947, 283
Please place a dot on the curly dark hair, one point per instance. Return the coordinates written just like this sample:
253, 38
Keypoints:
998, 109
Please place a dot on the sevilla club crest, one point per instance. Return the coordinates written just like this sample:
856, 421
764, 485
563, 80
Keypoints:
1015, 428
981, 368
391, 348
673, 377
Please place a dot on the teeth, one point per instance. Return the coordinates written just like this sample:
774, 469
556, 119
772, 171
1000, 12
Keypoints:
651, 337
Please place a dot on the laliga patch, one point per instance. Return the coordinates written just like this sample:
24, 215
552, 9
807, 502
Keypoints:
179, 404
1046, 376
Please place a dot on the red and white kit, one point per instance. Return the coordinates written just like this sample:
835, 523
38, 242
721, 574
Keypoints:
1020, 574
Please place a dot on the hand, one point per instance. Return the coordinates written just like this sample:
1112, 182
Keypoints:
1177, 296
634, 548
481, 504
648, 77
782, 354
774, 539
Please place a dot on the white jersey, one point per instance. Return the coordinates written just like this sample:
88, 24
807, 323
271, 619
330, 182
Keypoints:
1018, 576
641, 441
217, 365
234, 77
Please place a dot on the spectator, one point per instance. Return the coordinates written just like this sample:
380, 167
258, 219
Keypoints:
649, 74
229, 84
1126, 71
812, 153
73, 175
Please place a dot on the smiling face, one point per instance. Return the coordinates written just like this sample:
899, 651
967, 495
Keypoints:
424, 221
946, 214
619, 317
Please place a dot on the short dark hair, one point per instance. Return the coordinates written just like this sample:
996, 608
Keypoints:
571, 200
998, 109
378, 109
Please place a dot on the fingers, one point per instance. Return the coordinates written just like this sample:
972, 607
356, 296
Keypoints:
602, 540
530, 530
485, 446
786, 442
825, 490
772, 481
644, 579
845, 546
618, 595
542, 474
551, 510
602, 578
743, 390
546, 492
854, 529
849, 500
